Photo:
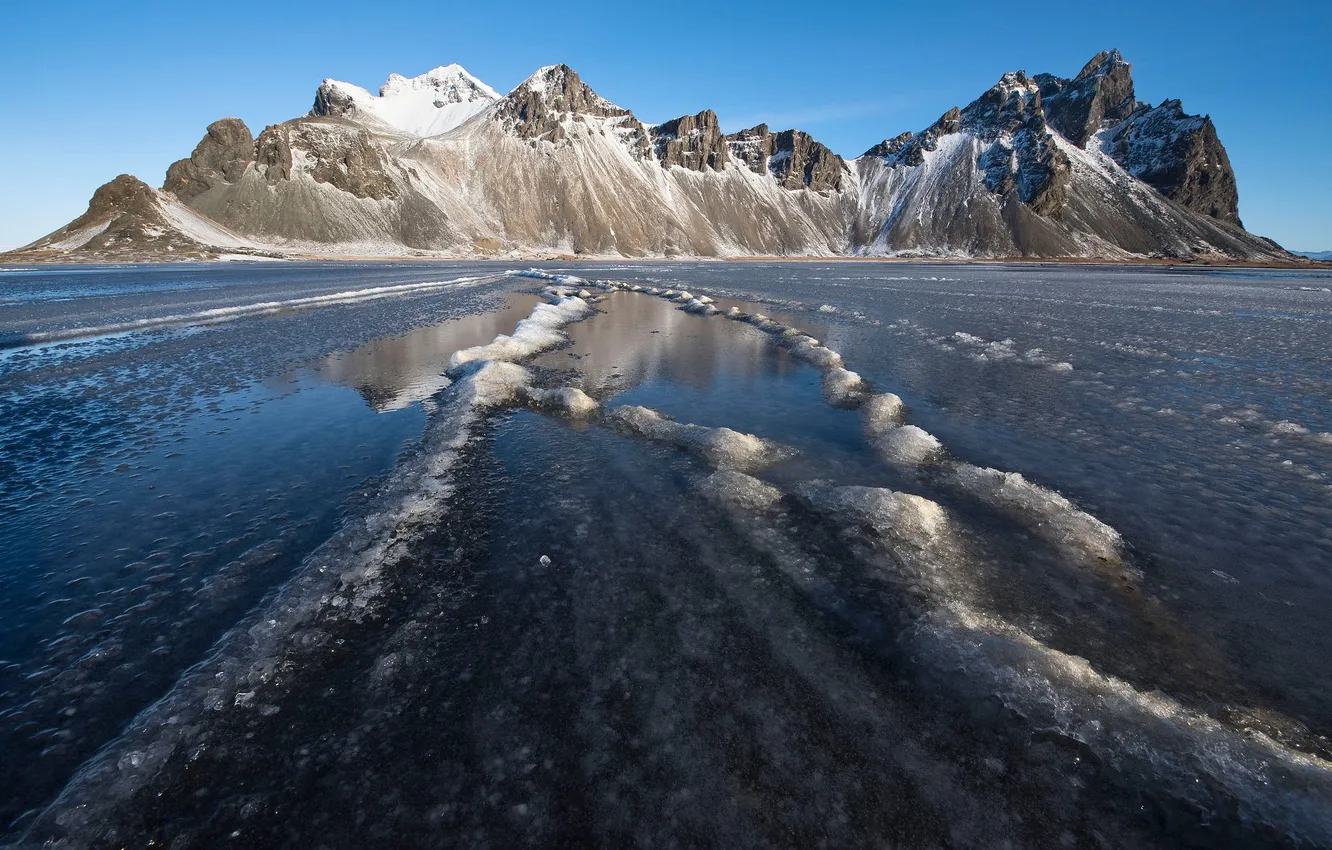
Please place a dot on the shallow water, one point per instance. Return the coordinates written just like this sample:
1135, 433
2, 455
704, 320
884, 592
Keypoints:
698, 664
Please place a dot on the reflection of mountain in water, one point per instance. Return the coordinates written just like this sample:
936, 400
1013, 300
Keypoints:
395, 372
651, 340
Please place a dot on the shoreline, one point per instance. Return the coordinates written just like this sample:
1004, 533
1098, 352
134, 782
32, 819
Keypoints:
45, 259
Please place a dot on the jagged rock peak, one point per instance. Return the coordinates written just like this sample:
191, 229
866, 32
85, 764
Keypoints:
550, 103
909, 149
560, 89
1180, 156
428, 105
1102, 64
800, 162
1010, 105
220, 157
691, 141
752, 147
1101, 94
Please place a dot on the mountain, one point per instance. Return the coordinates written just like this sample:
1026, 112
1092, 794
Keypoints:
1321, 256
428, 105
442, 165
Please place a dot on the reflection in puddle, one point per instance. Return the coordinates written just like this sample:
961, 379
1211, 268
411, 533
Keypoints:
395, 372
716, 373
648, 340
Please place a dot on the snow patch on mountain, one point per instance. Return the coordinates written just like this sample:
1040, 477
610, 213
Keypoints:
433, 103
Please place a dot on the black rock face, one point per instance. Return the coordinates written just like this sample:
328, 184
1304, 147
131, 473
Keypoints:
124, 194
799, 162
1023, 156
752, 147
890, 148
220, 157
913, 152
1101, 93
691, 141
343, 153
332, 102
1180, 156
272, 153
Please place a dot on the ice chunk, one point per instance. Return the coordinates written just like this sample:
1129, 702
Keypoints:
567, 279
844, 388
696, 305
1047, 512
544, 560
909, 445
725, 448
883, 412
808, 349
541, 331
738, 490
1285, 426
494, 383
904, 516
569, 401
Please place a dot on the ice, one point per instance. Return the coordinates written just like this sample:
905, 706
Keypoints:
740, 491
541, 331
260, 308
696, 305
1285, 426
565, 279
1187, 753
808, 349
883, 412
903, 516
909, 446
569, 401
951, 613
1049, 513
494, 383
843, 388
723, 447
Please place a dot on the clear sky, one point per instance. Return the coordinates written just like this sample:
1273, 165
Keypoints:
96, 89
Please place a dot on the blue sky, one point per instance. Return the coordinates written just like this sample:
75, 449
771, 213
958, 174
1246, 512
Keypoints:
94, 90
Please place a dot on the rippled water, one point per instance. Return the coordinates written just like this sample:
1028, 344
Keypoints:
772, 655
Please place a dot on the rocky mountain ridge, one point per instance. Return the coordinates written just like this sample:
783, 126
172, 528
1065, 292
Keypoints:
441, 165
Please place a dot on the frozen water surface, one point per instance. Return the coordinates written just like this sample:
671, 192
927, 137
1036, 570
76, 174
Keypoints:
734, 554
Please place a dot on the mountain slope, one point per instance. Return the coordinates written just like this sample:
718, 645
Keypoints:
998, 178
129, 220
440, 164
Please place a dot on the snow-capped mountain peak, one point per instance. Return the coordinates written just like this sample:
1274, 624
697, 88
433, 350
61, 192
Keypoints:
450, 80
560, 88
428, 105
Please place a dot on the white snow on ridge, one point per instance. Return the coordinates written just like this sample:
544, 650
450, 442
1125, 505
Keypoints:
428, 105
198, 227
